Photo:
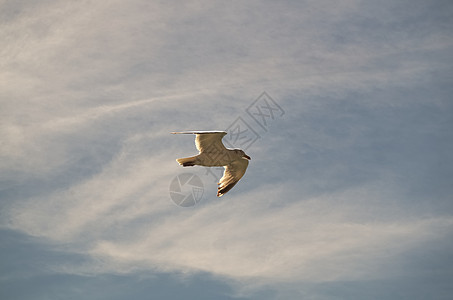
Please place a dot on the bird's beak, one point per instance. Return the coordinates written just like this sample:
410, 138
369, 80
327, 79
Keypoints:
246, 157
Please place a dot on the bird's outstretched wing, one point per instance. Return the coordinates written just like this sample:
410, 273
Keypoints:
207, 141
233, 172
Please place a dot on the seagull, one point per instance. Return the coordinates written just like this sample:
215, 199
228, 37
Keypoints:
214, 154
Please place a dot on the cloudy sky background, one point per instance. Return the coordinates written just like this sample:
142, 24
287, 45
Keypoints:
348, 194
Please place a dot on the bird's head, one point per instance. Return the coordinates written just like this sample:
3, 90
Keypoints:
242, 154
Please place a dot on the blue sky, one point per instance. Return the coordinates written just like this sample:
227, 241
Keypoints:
348, 194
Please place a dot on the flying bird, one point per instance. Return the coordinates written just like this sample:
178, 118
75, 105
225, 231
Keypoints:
214, 154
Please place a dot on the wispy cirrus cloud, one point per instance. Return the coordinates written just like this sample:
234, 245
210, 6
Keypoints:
348, 186
346, 236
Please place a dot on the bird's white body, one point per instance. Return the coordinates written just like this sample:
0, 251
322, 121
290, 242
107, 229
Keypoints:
217, 159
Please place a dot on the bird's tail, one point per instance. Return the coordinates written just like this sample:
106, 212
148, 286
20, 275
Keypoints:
187, 161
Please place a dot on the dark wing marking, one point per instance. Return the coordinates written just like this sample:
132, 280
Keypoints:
233, 173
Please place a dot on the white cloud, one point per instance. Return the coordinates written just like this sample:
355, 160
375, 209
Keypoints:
90, 90
302, 242
354, 235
